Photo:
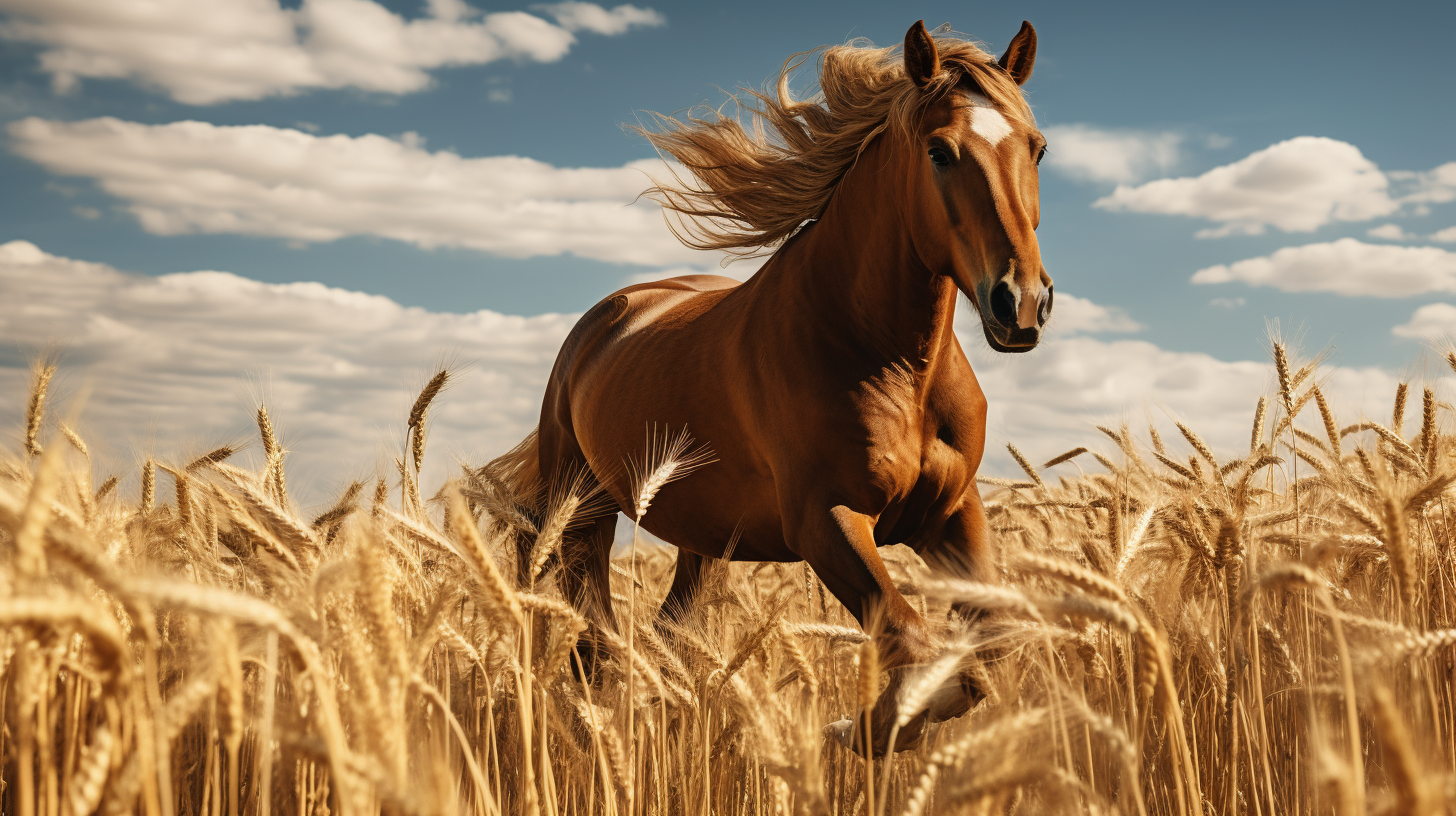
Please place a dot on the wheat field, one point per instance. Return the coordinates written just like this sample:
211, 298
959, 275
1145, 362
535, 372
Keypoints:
1176, 630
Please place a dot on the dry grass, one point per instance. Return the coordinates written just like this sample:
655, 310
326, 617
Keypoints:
1263, 632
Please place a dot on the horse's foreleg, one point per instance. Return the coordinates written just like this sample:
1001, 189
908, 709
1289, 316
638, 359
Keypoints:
840, 546
963, 550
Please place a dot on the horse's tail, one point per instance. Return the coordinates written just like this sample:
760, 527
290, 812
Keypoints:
519, 471
520, 492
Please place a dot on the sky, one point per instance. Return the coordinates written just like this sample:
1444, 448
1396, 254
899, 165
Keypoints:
203, 204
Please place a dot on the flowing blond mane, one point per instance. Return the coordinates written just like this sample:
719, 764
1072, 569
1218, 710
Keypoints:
751, 188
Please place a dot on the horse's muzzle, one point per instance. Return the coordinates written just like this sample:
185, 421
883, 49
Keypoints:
1015, 342
1003, 332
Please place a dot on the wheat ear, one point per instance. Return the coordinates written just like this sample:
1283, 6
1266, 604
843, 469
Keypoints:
1257, 436
35, 411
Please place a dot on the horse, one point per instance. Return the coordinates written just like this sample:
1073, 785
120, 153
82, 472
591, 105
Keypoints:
836, 401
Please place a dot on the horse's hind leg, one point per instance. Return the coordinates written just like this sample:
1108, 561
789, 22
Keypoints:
585, 578
586, 551
685, 582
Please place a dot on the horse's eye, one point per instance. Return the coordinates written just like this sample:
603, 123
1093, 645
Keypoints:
939, 157
1040, 154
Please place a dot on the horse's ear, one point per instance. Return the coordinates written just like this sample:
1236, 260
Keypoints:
1020, 54
922, 61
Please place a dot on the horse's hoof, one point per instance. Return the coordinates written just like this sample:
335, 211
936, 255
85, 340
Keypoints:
841, 731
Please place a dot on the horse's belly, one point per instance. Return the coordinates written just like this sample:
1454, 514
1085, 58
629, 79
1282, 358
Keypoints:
717, 506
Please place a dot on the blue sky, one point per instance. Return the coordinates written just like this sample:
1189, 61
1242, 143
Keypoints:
1127, 95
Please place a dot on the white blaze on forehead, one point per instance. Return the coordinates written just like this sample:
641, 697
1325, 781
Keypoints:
988, 122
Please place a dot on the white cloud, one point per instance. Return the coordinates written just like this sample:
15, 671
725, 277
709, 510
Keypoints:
173, 365
1347, 267
1430, 321
591, 17
1390, 232
1227, 303
1436, 186
190, 177
222, 50
1445, 236
1297, 185
1074, 315
1089, 153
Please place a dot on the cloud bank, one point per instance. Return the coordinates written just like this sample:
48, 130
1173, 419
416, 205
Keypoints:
196, 177
203, 53
174, 365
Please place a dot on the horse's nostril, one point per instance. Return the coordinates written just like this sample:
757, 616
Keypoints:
1044, 312
1003, 304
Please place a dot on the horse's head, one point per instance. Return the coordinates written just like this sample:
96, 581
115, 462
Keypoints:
974, 208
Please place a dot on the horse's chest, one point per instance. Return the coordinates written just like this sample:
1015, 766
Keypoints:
928, 496
921, 464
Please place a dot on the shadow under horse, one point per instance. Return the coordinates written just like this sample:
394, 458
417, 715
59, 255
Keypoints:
830, 387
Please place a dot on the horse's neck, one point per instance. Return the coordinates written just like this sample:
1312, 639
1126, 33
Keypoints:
855, 271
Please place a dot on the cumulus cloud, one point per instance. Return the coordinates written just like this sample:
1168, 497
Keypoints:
224, 50
1445, 236
191, 177
1297, 185
1390, 232
1074, 315
1436, 186
591, 17
1346, 267
1430, 321
172, 365
1089, 153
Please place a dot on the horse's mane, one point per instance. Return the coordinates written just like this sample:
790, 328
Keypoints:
752, 188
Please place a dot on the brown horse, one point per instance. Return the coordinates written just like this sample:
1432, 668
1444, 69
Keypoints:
830, 387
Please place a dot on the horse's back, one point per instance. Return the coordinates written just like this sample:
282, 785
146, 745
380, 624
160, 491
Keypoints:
682, 283
613, 328
633, 308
